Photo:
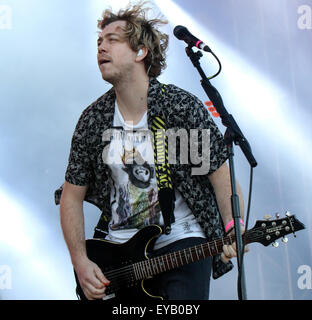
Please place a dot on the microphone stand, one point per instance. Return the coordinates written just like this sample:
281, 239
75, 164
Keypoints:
232, 135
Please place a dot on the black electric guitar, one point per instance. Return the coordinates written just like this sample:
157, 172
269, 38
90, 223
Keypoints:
130, 265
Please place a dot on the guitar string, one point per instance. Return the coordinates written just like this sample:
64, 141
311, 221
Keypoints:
146, 269
121, 273
125, 274
125, 277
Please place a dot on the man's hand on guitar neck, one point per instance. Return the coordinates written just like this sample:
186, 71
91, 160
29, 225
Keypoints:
91, 279
229, 251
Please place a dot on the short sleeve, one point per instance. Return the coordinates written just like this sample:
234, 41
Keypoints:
79, 169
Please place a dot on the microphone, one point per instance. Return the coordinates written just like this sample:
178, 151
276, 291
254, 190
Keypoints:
183, 34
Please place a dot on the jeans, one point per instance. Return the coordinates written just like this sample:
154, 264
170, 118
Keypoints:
189, 282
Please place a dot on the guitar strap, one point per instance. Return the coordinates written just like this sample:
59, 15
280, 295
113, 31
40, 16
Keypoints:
166, 195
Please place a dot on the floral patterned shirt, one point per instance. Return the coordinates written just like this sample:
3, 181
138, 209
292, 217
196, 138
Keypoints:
180, 110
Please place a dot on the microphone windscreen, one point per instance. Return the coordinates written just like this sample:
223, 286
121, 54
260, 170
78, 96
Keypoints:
179, 32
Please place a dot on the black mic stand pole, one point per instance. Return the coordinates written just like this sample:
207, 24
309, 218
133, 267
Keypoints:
232, 134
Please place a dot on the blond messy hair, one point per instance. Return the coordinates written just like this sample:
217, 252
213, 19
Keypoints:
140, 32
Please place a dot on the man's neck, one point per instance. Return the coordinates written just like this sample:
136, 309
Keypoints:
132, 98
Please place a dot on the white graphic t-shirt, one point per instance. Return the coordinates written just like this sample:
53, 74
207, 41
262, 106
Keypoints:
134, 200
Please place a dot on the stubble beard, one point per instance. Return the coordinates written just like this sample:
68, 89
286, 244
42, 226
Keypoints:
116, 78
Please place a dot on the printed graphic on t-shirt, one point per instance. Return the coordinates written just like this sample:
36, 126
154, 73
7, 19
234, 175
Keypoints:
134, 202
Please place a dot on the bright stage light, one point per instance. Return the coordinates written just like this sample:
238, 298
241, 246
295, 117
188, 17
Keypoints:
25, 247
253, 96
13, 225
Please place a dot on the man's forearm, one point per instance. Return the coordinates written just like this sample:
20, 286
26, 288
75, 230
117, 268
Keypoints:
221, 183
225, 203
72, 223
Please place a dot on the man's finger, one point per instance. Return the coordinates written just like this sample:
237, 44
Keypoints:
100, 276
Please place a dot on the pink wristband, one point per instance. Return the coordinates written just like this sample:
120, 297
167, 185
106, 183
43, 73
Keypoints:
231, 223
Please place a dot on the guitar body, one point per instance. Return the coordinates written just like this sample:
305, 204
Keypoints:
111, 257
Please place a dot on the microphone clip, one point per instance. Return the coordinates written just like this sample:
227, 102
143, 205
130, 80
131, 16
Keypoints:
194, 56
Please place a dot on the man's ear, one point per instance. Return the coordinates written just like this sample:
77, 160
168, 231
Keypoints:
141, 54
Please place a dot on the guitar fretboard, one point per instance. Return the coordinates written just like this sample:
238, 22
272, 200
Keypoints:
148, 268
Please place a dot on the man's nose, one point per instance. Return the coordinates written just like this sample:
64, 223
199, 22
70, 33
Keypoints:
102, 47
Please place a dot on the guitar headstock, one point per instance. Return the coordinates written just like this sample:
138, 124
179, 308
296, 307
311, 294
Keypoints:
268, 231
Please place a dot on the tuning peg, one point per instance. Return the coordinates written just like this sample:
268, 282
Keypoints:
277, 215
285, 240
275, 244
267, 217
287, 213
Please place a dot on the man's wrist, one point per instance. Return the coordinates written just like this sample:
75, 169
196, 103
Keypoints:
79, 259
230, 225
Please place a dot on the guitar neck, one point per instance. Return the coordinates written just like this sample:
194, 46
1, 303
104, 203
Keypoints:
148, 268
264, 231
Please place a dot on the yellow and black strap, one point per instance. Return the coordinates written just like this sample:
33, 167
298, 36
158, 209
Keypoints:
166, 196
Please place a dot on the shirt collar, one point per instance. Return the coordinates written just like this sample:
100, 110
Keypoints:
153, 102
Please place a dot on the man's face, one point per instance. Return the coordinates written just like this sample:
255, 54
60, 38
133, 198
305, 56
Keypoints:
115, 57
